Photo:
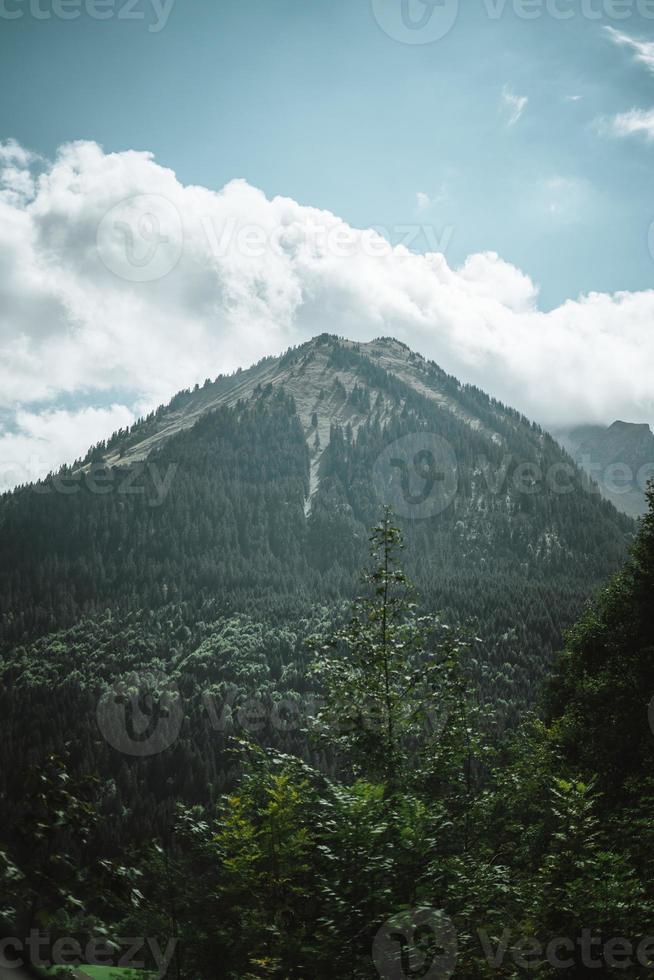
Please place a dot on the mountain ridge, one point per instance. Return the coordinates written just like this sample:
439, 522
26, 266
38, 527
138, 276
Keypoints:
302, 372
619, 457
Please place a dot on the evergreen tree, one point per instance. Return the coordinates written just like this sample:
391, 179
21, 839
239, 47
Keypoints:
390, 676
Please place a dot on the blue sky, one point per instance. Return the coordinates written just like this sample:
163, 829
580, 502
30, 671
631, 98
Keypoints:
313, 100
515, 137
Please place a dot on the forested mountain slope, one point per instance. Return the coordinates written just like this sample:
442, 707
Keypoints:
193, 558
530, 854
254, 494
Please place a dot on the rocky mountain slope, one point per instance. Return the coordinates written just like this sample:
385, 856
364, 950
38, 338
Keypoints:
308, 374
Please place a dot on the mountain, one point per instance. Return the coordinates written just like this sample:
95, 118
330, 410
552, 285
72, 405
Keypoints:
323, 378
192, 557
620, 459
254, 494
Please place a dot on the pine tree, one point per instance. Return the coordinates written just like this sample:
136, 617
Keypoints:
390, 676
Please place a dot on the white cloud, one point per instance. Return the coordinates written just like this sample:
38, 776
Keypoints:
40, 442
13, 152
250, 277
635, 122
643, 50
572, 98
513, 105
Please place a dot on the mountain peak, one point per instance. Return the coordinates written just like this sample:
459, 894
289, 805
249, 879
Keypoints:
640, 428
324, 376
620, 458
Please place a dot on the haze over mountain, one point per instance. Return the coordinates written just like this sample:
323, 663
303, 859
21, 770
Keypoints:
620, 458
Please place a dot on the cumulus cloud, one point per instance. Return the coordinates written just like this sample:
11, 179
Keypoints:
115, 277
513, 105
13, 152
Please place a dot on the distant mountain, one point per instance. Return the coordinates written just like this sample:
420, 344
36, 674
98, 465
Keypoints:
620, 459
254, 494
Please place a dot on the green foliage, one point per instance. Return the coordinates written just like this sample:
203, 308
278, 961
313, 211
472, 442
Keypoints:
605, 681
390, 684
47, 881
284, 859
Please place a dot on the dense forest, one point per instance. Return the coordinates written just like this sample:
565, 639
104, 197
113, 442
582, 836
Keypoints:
413, 841
213, 731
